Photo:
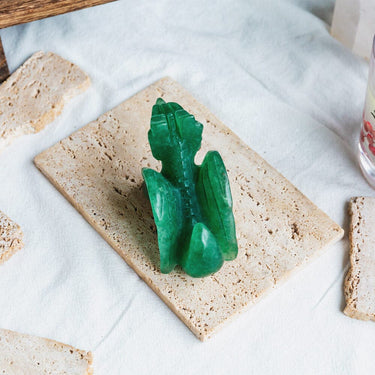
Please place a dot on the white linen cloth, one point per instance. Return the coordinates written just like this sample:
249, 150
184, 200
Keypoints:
271, 71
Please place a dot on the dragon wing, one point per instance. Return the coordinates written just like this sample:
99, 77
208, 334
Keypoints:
215, 200
165, 202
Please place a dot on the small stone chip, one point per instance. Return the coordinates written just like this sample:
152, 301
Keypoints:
10, 237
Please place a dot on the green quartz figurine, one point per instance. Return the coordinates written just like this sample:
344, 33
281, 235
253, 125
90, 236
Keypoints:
191, 204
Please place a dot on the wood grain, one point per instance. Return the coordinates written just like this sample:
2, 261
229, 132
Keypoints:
14, 12
4, 71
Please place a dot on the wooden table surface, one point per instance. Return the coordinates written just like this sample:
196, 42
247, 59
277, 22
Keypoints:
14, 12
4, 71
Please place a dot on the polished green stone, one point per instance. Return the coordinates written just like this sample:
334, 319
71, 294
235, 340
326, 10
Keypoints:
191, 204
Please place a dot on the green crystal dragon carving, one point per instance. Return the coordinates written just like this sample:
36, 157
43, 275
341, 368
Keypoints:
191, 204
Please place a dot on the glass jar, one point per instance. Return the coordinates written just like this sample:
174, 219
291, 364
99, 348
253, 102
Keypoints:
367, 135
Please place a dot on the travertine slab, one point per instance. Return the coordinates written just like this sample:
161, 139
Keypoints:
32, 355
11, 237
98, 169
360, 280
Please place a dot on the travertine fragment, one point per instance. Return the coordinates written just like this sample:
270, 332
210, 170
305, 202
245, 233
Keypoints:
32, 355
11, 237
360, 280
35, 94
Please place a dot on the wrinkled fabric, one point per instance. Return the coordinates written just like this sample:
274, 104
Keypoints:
271, 72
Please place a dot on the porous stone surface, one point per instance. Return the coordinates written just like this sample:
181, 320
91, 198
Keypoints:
360, 279
35, 94
32, 355
11, 237
98, 169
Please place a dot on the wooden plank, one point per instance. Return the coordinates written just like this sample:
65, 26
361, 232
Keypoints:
4, 71
14, 12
